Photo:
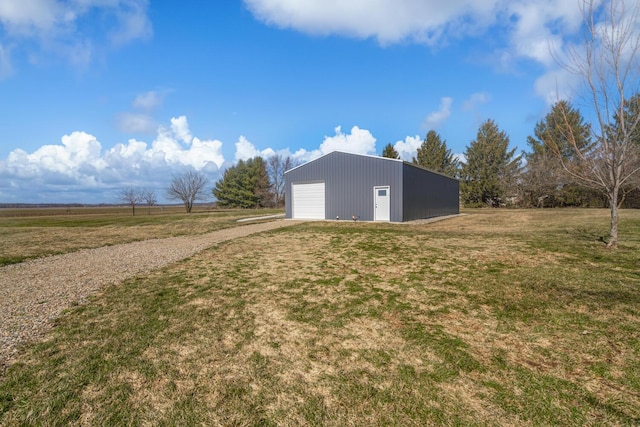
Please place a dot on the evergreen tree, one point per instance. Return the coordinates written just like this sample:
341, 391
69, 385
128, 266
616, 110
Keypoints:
245, 185
433, 154
630, 190
630, 112
390, 152
545, 182
490, 171
558, 130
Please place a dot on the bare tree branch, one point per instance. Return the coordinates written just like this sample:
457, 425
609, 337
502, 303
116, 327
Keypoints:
149, 197
188, 188
131, 196
609, 65
277, 165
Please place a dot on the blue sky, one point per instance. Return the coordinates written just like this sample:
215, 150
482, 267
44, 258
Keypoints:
99, 95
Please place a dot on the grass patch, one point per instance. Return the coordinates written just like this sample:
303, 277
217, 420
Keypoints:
494, 318
39, 232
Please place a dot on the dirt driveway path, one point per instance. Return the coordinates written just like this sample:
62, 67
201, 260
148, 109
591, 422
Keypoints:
35, 292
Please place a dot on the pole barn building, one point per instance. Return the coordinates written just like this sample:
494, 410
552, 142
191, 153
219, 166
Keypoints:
344, 186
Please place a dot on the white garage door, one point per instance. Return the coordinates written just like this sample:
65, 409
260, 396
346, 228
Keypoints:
308, 200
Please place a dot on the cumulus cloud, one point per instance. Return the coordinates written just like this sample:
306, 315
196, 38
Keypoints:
80, 169
435, 119
78, 151
359, 141
180, 129
53, 26
408, 148
80, 164
245, 150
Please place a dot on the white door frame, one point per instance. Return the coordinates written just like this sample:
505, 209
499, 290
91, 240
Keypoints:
378, 213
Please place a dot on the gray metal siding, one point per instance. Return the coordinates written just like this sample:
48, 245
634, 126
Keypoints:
428, 194
349, 181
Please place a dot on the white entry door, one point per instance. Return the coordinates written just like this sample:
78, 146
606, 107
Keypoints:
382, 203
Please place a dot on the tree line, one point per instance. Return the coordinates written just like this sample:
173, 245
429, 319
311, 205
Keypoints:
252, 183
558, 170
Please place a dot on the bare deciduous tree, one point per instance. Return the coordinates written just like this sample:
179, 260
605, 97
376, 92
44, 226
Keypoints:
277, 165
149, 197
188, 187
609, 65
131, 196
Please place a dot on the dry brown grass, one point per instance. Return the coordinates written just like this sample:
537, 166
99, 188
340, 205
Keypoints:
494, 318
34, 233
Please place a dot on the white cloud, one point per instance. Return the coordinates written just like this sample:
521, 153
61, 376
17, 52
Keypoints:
245, 150
180, 128
76, 161
203, 154
132, 23
408, 148
565, 78
530, 24
437, 118
80, 164
136, 123
555, 85
51, 26
6, 67
389, 21
359, 141
148, 101
142, 121
539, 31
25, 17
474, 100
539, 27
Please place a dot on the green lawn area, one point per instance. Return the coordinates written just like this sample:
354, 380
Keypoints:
497, 317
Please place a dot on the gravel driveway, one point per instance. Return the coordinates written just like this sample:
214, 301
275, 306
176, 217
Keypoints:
35, 292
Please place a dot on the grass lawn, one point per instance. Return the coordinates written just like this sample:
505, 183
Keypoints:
38, 232
498, 317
